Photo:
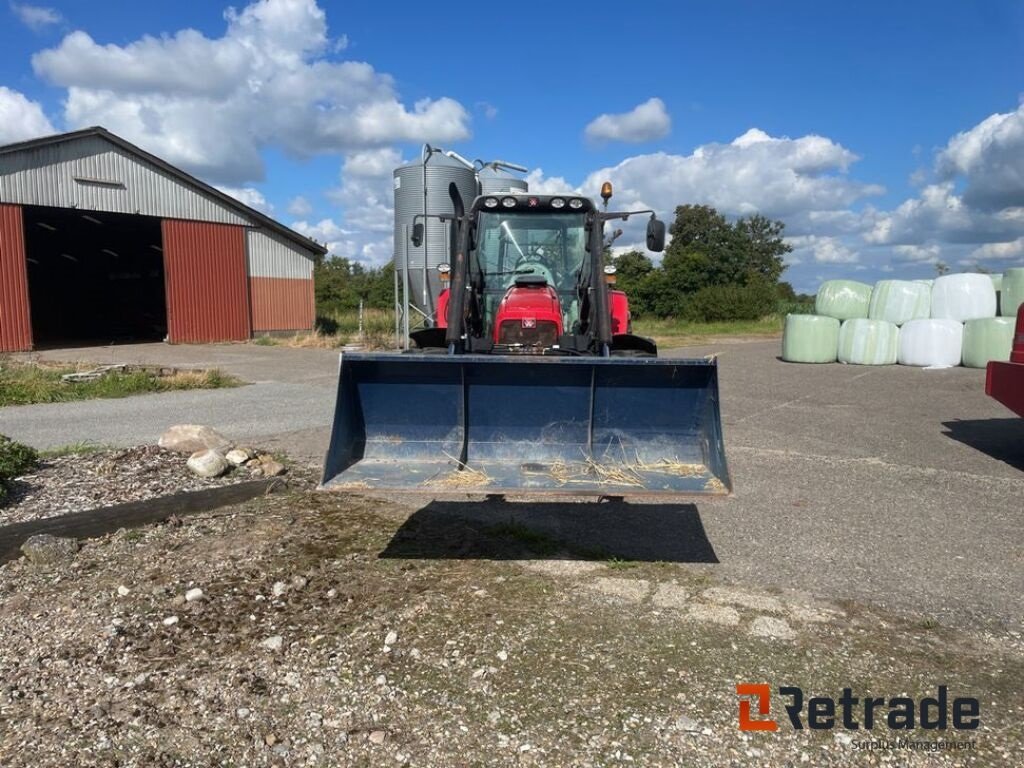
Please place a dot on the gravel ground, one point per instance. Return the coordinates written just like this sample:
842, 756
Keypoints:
325, 635
92, 480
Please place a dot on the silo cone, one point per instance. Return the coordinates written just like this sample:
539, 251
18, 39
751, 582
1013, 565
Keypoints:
539, 425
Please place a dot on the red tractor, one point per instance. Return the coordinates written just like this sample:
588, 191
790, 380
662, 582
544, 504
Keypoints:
530, 380
1005, 381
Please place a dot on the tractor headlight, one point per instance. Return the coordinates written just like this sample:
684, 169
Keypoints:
575, 203
491, 202
508, 202
557, 203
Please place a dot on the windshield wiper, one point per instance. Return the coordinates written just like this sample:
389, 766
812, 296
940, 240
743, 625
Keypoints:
527, 271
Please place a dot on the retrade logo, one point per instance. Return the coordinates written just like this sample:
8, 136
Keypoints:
761, 693
852, 712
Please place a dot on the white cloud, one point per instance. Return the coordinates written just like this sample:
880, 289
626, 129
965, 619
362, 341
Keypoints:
36, 17
544, 185
212, 104
778, 177
300, 207
928, 254
249, 196
990, 157
822, 249
21, 118
329, 232
1014, 249
489, 110
645, 122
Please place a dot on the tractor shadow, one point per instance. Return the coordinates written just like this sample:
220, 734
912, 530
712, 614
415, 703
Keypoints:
497, 529
1002, 439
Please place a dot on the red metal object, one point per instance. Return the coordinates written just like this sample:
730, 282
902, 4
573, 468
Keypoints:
442, 308
281, 304
15, 314
207, 286
1005, 381
530, 307
620, 311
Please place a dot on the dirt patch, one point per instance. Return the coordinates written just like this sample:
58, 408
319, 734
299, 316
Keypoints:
311, 646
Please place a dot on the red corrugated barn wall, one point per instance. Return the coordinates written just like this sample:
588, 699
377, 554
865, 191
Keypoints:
282, 304
207, 284
15, 317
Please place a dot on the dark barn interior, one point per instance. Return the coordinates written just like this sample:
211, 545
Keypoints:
94, 277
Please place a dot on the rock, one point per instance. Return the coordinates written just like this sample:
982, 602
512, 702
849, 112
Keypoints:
238, 456
45, 548
279, 588
377, 737
299, 582
270, 467
123, 591
170, 621
391, 638
503, 655
208, 463
273, 643
190, 438
194, 594
768, 626
684, 723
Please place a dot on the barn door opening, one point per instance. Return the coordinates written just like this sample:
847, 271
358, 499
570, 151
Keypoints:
94, 278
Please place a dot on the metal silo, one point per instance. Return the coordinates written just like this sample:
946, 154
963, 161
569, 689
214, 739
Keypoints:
494, 178
422, 188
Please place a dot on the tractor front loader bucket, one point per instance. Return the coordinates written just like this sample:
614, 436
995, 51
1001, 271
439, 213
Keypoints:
527, 425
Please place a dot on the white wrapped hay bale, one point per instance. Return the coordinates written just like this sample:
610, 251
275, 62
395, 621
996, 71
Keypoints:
810, 339
931, 343
963, 297
897, 301
986, 339
868, 342
1013, 292
843, 299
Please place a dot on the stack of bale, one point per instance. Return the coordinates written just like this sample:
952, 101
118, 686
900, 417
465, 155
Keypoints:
955, 319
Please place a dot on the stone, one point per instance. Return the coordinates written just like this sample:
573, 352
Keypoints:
391, 638
238, 456
170, 621
190, 438
771, 627
270, 467
194, 594
503, 655
279, 588
377, 737
44, 548
684, 723
208, 463
123, 591
273, 643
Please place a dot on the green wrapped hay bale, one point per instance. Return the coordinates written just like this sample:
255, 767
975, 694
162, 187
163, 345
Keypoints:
899, 301
868, 342
997, 283
986, 339
810, 339
1013, 292
843, 299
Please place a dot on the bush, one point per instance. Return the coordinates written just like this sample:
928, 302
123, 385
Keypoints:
731, 302
15, 459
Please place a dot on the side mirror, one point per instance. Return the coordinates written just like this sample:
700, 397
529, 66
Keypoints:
655, 235
417, 234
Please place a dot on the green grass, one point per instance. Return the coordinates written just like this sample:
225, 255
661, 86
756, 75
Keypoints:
26, 384
73, 449
670, 332
15, 459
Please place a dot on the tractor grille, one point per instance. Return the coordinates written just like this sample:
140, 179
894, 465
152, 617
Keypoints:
542, 333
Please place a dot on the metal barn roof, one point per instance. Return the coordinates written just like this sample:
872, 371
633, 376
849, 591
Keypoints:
94, 169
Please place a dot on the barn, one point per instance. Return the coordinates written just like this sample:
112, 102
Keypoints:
102, 242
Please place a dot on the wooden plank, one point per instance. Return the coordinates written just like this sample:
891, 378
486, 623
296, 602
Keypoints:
99, 522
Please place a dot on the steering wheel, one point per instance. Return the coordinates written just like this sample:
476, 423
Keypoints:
538, 268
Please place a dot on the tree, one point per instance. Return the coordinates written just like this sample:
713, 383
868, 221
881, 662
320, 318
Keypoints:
764, 247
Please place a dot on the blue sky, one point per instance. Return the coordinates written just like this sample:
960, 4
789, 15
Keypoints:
887, 136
